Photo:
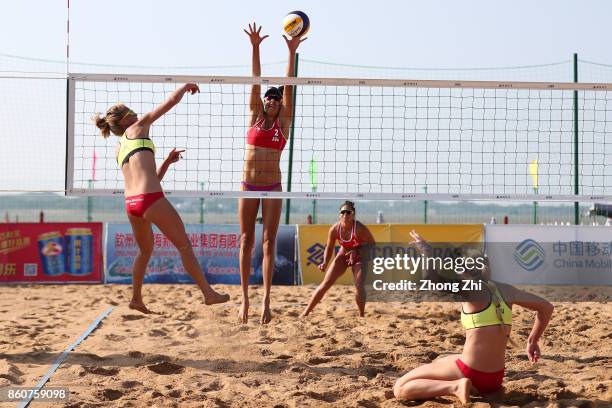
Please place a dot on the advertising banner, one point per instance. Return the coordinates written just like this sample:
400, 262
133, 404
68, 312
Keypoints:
50, 252
550, 255
312, 240
217, 248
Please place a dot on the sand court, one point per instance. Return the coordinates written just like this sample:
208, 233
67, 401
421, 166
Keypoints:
193, 356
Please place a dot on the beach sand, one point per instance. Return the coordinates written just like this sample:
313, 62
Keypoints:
194, 355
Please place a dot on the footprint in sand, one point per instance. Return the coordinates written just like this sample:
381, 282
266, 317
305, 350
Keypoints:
157, 358
340, 352
109, 394
185, 316
367, 404
377, 355
131, 317
135, 354
175, 393
455, 339
114, 337
166, 368
315, 336
157, 333
324, 396
107, 372
11, 373
131, 384
212, 386
188, 331
318, 360
192, 333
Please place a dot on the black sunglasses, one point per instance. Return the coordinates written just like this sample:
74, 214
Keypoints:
346, 212
274, 97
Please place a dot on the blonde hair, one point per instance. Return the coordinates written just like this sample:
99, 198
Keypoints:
110, 121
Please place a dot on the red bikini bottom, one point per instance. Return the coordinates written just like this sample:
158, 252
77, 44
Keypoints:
485, 383
137, 205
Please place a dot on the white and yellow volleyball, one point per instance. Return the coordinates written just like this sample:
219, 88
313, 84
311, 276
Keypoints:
296, 24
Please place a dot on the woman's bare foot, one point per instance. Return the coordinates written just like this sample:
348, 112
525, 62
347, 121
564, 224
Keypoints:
139, 306
266, 314
463, 390
212, 298
243, 313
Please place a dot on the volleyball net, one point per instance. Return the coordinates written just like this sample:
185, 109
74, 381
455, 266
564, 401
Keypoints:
362, 138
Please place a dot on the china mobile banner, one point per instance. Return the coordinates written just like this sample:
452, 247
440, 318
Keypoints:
550, 255
50, 252
313, 238
217, 248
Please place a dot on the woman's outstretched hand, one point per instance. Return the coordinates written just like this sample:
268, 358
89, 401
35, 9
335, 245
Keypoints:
174, 156
422, 245
191, 88
293, 42
254, 35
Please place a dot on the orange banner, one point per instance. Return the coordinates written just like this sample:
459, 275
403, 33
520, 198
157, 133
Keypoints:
312, 240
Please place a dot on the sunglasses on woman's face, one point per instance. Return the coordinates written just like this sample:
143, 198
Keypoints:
348, 212
274, 97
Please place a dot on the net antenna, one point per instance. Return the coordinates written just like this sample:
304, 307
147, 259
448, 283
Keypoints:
376, 139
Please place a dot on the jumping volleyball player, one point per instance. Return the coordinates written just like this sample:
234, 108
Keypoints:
487, 318
351, 235
266, 138
144, 199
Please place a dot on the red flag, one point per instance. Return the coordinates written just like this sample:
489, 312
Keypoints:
93, 168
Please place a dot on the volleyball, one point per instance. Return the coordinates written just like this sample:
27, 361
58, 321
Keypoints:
296, 23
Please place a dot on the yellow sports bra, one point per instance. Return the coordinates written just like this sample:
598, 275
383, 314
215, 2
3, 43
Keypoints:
489, 316
130, 146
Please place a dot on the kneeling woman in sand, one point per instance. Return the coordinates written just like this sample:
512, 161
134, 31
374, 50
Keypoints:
145, 203
351, 235
487, 318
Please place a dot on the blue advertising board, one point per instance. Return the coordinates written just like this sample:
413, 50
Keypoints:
217, 248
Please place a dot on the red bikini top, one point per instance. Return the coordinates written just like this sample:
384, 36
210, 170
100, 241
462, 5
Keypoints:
351, 243
272, 138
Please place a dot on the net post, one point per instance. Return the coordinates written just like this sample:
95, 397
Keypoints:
202, 204
576, 166
535, 207
66, 167
291, 138
425, 205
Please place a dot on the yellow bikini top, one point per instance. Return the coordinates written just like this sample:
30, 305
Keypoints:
498, 312
130, 146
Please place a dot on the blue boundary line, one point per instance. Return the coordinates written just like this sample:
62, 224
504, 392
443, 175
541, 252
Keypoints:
62, 357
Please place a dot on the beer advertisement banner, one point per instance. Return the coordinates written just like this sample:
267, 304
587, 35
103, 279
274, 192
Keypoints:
217, 248
50, 252
312, 240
